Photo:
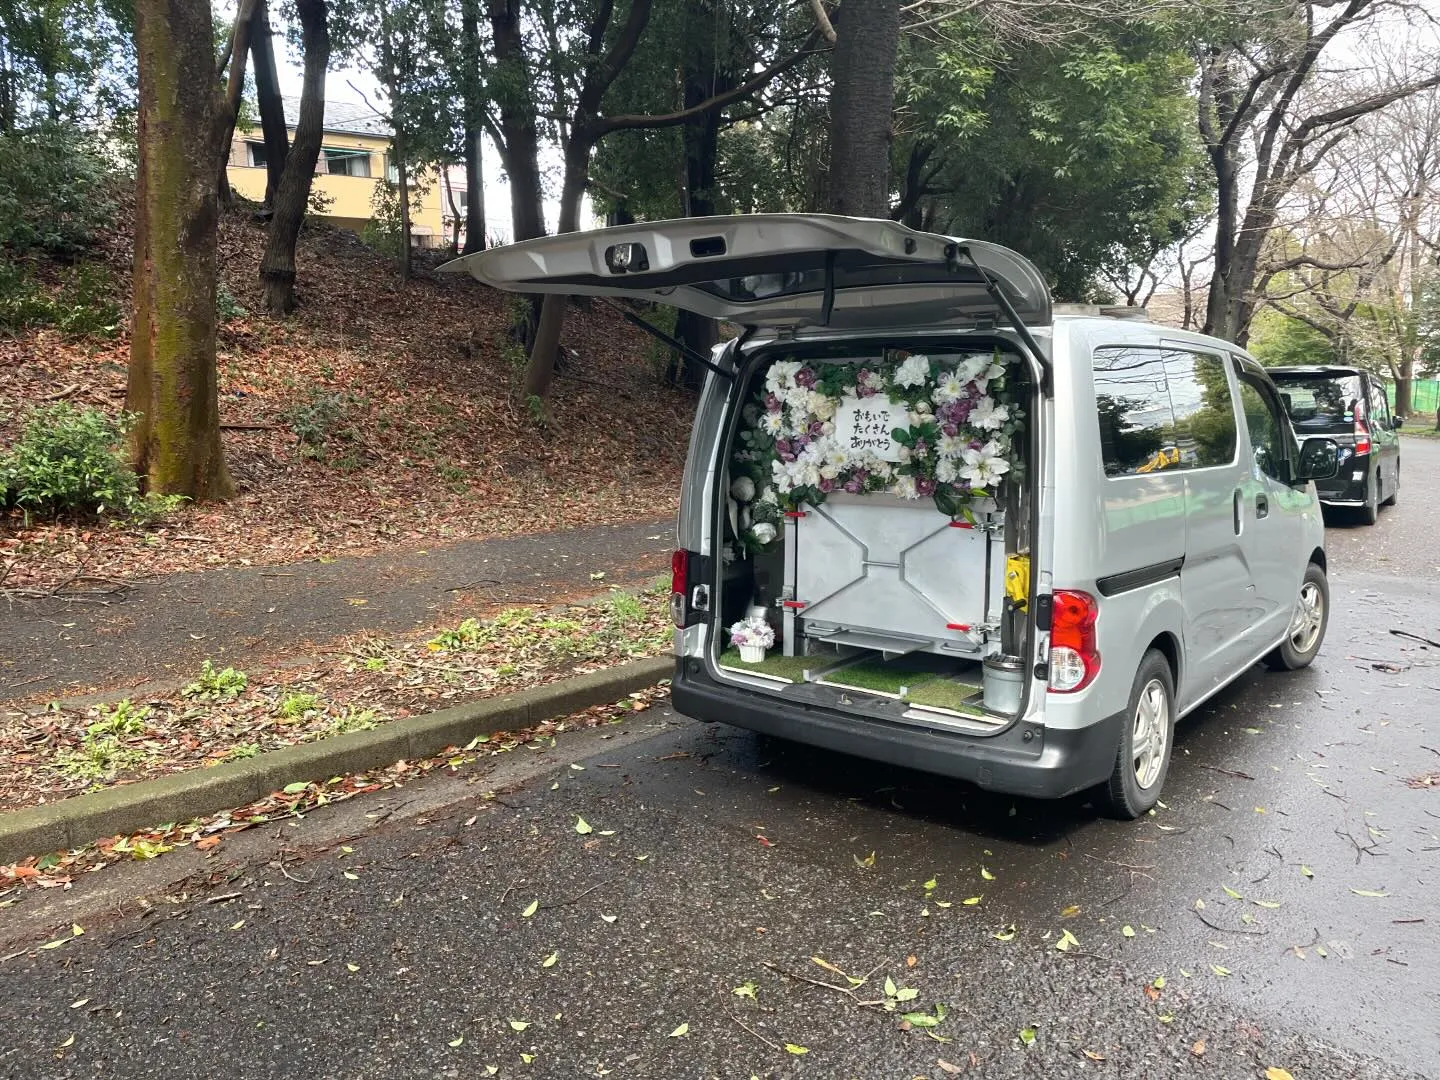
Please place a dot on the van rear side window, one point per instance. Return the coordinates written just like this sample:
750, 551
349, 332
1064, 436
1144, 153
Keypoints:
1162, 410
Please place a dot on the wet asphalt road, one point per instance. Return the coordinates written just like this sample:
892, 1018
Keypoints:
1286, 810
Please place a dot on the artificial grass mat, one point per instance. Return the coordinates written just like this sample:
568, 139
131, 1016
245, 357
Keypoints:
789, 668
942, 693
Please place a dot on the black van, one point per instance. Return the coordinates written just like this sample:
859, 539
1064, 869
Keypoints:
1348, 405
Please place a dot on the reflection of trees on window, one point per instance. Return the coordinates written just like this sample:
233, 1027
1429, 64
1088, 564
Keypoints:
1267, 437
1133, 406
1126, 444
1204, 411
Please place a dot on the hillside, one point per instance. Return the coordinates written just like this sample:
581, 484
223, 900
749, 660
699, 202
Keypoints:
404, 394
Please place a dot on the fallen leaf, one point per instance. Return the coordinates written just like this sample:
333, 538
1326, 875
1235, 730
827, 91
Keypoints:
1092, 1055
534, 907
1165, 1018
519, 1025
577, 768
77, 1004
971, 901
1198, 1048
889, 987
1006, 934
911, 960
943, 904
821, 962
295, 788
76, 929
1073, 909
1276, 1073
456, 1041
1266, 903
1368, 892
683, 1029
527, 1058
550, 960
350, 876
946, 1067
1232, 893
791, 1048
1220, 971
866, 862
906, 993
764, 841
582, 826
352, 967
55, 944
1027, 1036
920, 1019
745, 990
68, 1042
1067, 940
207, 842
609, 918
238, 925
986, 874
1305, 871
930, 885
1128, 931
1159, 982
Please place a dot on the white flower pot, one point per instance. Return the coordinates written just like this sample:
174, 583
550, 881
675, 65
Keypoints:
752, 654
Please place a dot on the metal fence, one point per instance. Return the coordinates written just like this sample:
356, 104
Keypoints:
1424, 395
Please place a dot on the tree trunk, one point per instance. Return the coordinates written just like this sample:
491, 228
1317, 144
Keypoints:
473, 92
277, 267
540, 372
701, 140
519, 137
175, 445
267, 95
240, 35
861, 103
403, 183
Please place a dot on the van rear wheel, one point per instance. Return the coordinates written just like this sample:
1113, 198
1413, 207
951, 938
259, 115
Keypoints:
1307, 624
1146, 739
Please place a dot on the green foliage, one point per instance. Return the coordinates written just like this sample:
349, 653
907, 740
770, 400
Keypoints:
227, 307
294, 706
215, 685
321, 416
55, 191
241, 751
83, 304
1277, 340
625, 609
467, 634
382, 231
68, 461
353, 719
124, 720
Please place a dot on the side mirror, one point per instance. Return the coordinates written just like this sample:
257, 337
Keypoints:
1319, 460
1397, 422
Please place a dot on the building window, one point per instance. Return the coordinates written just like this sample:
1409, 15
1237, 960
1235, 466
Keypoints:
347, 162
255, 155
392, 171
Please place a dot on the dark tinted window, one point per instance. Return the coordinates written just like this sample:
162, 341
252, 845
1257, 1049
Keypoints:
1132, 401
1379, 407
1320, 399
1204, 410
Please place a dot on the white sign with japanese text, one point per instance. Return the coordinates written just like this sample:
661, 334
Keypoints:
865, 424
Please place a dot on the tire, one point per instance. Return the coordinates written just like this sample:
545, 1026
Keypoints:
1134, 786
1305, 636
1370, 512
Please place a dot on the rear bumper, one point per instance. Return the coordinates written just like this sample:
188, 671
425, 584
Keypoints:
1027, 759
1343, 489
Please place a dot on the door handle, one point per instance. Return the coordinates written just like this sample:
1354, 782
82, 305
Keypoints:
1235, 504
1262, 505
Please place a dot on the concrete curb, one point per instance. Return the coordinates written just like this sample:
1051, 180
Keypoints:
74, 822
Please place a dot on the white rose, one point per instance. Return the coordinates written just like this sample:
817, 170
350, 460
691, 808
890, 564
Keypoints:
763, 533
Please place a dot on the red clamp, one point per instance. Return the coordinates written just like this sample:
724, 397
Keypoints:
797, 604
958, 626
961, 525
794, 513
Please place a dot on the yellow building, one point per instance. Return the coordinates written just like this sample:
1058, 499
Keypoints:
354, 155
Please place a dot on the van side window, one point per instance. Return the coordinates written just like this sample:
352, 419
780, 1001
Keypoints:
1204, 409
1132, 401
1379, 406
1263, 420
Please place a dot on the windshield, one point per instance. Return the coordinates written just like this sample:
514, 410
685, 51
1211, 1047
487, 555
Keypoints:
1320, 399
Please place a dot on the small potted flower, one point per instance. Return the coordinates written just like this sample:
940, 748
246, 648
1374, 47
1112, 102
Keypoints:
752, 636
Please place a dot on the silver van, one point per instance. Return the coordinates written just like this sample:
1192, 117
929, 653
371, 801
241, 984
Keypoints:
929, 521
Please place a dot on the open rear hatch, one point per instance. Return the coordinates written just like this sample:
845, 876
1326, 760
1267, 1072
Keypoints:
781, 271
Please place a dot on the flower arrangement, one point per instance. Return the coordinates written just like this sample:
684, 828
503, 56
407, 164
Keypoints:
752, 636
817, 429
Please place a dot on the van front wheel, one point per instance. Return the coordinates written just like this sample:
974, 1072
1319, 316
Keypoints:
1146, 739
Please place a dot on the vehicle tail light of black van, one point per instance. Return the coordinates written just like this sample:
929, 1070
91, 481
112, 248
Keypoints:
1362, 437
1074, 659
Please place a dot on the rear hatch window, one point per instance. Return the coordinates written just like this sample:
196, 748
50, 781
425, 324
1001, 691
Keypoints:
1321, 402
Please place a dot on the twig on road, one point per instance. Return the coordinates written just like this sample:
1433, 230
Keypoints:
847, 991
773, 1045
1415, 637
587, 892
1228, 772
1226, 929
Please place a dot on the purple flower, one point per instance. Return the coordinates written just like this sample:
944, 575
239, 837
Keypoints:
772, 403
805, 377
921, 447
816, 429
826, 484
976, 444
925, 485
854, 485
950, 429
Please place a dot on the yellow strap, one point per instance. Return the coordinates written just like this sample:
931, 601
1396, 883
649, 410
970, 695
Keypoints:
1017, 579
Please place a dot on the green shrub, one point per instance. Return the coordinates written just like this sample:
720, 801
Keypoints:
82, 306
124, 720
215, 685
69, 460
55, 191
320, 417
295, 706
226, 306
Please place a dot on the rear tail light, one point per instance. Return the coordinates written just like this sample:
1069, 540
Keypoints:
1074, 659
679, 584
1362, 437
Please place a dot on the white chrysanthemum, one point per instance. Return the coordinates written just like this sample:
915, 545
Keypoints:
743, 489
781, 376
767, 497
947, 470
988, 416
951, 446
814, 452
833, 462
763, 532
983, 467
883, 469
973, 368
950, 388
774, 424
915, 371
820, 406
905, 487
